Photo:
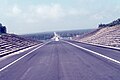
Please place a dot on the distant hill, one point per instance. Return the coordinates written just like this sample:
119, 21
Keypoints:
104, 35
63, 34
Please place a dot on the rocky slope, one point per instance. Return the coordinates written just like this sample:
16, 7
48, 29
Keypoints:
104, 35
10, 43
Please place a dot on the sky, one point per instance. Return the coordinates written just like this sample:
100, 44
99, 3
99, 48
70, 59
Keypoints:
34, 16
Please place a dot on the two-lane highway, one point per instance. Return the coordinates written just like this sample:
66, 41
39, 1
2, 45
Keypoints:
61, 61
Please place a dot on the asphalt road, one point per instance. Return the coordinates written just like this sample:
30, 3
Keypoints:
60, 61
115, 54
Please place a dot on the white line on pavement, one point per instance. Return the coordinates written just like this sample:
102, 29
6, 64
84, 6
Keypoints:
109, 47
106, 57
22, 57
99, 45
18, 52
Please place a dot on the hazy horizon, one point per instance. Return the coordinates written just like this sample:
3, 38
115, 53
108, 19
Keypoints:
33, 16
55, 31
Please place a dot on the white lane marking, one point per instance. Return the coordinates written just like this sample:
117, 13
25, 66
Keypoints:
22, 57
99, 45
18, 52
106, 57
110, 47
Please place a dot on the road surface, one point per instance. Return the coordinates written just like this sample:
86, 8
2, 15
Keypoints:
61, 61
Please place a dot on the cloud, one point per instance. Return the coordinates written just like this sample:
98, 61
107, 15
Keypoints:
16, 10
42, 17
40, 13
34, 13
97, 16
49, 11
75, 12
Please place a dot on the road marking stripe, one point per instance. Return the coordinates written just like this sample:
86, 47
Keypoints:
22, 57
18, 52
99, 45
111, 59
